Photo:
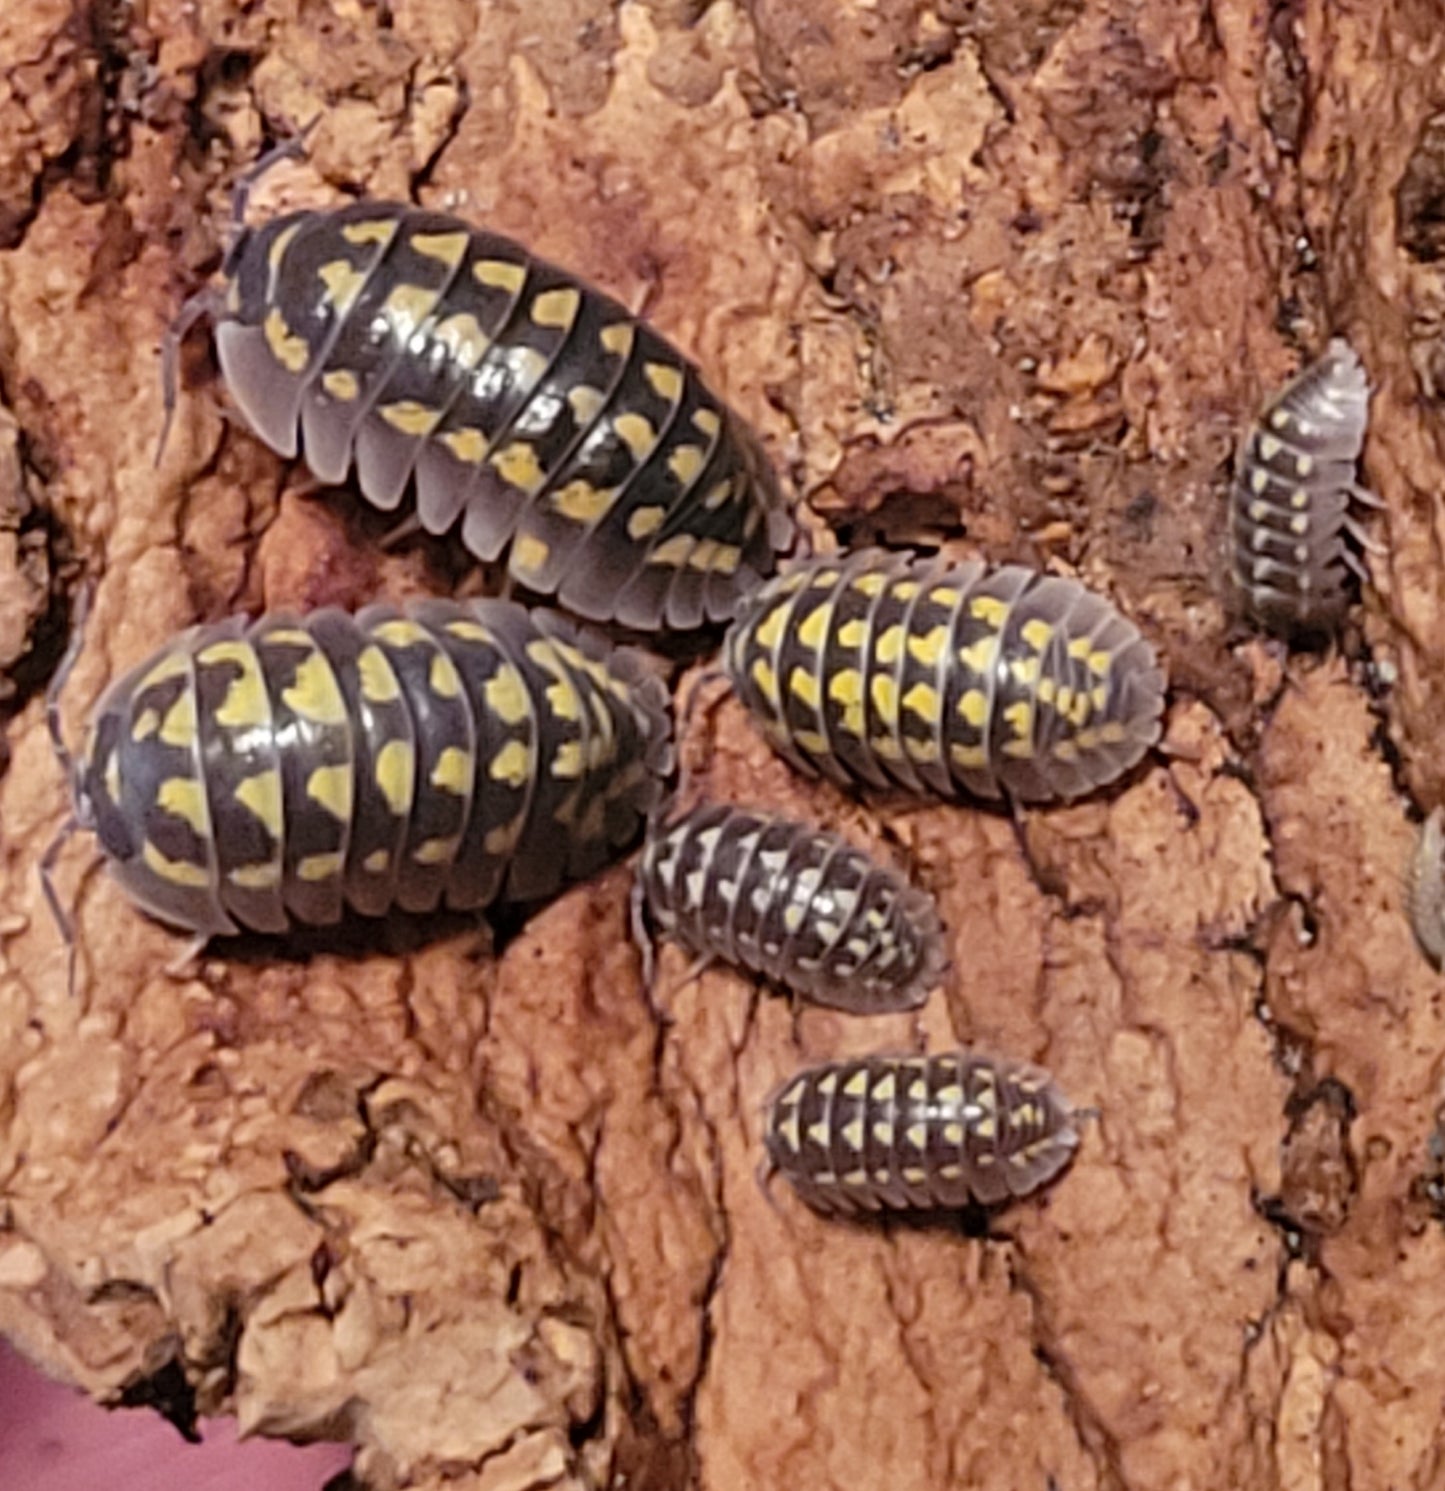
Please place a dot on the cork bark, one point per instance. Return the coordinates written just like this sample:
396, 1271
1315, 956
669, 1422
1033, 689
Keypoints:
1009, 276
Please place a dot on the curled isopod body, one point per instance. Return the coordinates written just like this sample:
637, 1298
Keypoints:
504, 395
265, 774
1294, 482
919, 1133
944, 679
1425, 888
801, 906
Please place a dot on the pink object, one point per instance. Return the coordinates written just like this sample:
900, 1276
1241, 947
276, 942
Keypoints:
54, 1439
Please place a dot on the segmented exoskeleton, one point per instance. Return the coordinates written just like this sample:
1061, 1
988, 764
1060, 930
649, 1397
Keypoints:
505, 395
263, 774
801, 906
919, 1132
1294, 482
942, 678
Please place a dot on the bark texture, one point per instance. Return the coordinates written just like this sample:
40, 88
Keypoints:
1011, 274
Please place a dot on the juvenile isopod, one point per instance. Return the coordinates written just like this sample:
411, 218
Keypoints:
1294, 483
1425, 888
800, 906
919, 1133
503, 394
945, 679
264, 774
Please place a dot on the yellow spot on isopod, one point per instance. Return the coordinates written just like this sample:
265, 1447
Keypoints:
582, 502
916, 1135
464, 339
1113, 733
767, 681
517, 464
673, 550
279, 245
510, 764
444, 678
314, 694
1037, 633
186, 798
585, 402
1299, 499
645, 521
665, 379
467, 445
707, 421
1066, 750
179, 726
529, 554
685, 462
979, 655
1258, 482
870, 584
144, 726
261, 795
330, 786
788, 1129
408, 306
717, 495
988, 609
770, 629
852, 634
395, 772
177, 871
376, 862
505, 696
173, 665
256, 877
804, 686
616, 339
974, 707
1025, 670
884, 693
636, 433
469, 631
857, 1084
890, 645
410, 417
370, 230
814, 629
453, 771
318, 867
953, 1133
556, 307
445, 248
399, 632
286, 347
378, 678
499, 275
928, 648
945, 595
1047, 690
343, 282
970, 758
924, 701
341, 385
845, 687
883, 1090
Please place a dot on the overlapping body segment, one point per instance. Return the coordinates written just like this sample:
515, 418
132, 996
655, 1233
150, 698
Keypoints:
1294, 484
260, 775
944, 679
511, 399
801, 906
919, 1133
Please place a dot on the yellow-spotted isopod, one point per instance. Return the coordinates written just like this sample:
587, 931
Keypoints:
259, 775
504, 395
803, 907
943, 679
919, 1133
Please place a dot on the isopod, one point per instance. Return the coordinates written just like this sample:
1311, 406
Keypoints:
943, 678
503, 394
1425, 888
798, 905
919, 1133
1294, 481
263, 774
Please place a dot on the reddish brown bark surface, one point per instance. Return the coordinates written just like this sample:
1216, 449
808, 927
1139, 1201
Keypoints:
1010, 275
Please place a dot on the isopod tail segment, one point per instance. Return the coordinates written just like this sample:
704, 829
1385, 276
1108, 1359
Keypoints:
209, 301
1425, 888
77, 818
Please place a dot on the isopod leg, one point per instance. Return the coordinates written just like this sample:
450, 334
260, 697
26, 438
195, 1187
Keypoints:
206, 302
46, 871
62, 676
